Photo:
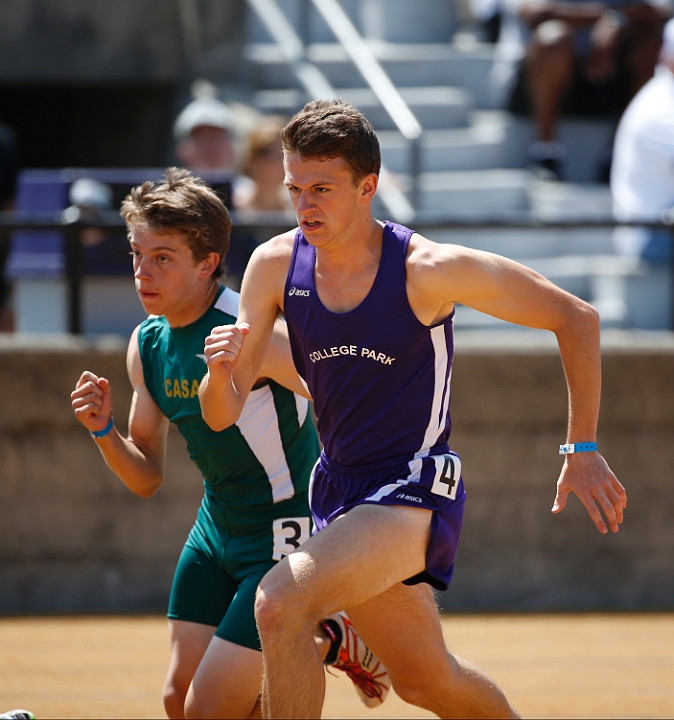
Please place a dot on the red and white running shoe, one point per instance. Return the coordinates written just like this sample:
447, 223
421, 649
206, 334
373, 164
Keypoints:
356, 660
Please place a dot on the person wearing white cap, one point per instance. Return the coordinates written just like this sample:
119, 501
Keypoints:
642, 175
203, 135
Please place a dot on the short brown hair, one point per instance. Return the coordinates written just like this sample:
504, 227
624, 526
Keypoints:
185, 204
331, 129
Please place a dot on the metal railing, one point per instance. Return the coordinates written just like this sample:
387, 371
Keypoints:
72, 224
369, 67
318, 86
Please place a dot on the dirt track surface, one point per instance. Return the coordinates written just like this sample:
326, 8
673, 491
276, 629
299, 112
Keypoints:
550, 666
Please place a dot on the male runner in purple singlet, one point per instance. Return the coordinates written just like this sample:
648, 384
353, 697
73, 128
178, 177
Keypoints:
369, 307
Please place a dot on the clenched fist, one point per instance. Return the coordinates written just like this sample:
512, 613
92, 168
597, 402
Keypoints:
92, 401
223, 347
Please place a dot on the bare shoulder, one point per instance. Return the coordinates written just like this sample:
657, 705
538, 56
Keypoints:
265, 277
441, 274
276, 251
427, 259
431, 271
425, 255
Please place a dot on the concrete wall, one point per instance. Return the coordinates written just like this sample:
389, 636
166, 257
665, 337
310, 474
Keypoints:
510, 416
72, 538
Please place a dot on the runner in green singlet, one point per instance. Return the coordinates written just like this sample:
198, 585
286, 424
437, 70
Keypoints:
256, 473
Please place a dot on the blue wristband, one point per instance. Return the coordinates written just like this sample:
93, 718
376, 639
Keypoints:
571, 448
104, 431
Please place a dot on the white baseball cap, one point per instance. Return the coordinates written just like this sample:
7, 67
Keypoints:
202, 111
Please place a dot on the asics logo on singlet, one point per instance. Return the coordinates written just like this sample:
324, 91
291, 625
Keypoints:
299, 292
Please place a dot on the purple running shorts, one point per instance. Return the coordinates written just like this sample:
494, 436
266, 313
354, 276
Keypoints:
433, 482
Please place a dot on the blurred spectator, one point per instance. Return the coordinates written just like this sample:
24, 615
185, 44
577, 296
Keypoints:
575, 57
9, 169
89, 197
260, 190
203, 132
205, 145
642, 176
262, 163
488, 15
205, 135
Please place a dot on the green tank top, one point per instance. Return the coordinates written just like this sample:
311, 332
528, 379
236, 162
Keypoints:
268, 455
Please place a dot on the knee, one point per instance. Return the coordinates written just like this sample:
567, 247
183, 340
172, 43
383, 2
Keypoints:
415, 691
409, 693
553, 36
200, 707
273, 605
283, 608
174, 701
424, 689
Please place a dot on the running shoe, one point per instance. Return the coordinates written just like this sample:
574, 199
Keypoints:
353, 657
17, 715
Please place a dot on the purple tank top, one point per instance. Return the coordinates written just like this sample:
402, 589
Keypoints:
378, 376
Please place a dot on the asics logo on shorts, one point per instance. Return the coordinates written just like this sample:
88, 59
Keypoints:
299, 292
402, 496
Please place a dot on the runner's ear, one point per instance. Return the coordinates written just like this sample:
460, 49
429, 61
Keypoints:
369, 185
209, 264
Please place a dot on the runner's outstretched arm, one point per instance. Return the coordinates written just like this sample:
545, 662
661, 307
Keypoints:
137, 460
513, 292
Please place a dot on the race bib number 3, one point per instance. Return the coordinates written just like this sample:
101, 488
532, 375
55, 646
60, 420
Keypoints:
447, 475
289, 534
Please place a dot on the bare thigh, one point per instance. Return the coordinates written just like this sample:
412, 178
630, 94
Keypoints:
357, 557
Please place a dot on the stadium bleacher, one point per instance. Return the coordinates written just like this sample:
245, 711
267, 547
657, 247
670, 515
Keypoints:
472, 155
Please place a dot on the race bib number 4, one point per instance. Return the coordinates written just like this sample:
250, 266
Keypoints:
447, 475
289, 534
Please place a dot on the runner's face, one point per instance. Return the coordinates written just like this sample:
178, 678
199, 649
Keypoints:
325, 199
166, 275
